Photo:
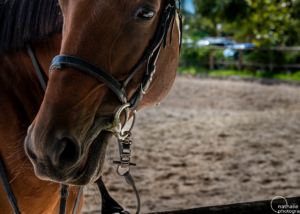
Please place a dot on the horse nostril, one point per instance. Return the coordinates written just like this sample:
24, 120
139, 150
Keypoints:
70, 151
65, 153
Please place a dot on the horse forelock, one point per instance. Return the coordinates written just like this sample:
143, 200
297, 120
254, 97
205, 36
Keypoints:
28, 21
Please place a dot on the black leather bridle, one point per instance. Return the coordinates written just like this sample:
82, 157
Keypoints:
150, 58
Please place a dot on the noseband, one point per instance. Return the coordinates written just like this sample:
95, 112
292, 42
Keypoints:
150, 58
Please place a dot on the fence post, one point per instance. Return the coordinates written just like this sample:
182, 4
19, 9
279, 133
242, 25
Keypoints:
240, 59
211, 59
271, 66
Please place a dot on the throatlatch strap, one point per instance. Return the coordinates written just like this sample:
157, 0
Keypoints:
9, 193
36, 66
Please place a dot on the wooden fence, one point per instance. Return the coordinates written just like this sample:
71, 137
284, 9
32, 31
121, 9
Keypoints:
240, 63
258, 207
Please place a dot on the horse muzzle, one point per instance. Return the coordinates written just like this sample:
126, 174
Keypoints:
57, 160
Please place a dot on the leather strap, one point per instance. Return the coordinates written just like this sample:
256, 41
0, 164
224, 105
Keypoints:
75, 62
109, 205
130, 181
9, 193
79, 194
63, 198
180, 24
64, 188
150, 57
61, 61
36, 67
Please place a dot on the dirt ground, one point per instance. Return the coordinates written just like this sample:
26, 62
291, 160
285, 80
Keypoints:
210, 142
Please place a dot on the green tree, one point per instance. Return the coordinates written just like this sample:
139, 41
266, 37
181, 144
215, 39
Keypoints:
211, 10
268, 22
220, 11
263, 22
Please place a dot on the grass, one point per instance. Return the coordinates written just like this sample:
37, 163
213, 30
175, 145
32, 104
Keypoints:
226, 73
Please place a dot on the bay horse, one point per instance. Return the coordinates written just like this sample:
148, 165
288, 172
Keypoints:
61, 125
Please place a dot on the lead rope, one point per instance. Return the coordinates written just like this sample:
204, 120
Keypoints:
125, 153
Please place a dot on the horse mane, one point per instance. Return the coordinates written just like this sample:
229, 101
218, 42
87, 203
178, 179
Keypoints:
28, 21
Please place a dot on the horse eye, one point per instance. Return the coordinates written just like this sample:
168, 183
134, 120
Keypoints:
146, 14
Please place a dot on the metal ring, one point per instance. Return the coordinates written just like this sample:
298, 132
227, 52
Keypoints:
131, 127
120, 128
118, 113
124, 172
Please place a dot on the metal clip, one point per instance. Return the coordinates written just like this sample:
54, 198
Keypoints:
125, 152
123, 138
116, 126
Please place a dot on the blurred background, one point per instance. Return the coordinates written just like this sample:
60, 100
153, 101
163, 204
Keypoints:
229, 131
257, 38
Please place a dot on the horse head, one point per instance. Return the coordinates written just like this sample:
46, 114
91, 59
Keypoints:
67, 141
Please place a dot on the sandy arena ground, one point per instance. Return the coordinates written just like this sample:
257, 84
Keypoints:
210, 142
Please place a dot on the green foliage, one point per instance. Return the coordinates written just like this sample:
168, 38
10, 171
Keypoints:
196, 27
263, 22
189, 57
296, 7
210, 12
292, 57
276, 57
199, 57
226, 73
270, 22
222, 10
234, 10
191, 70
